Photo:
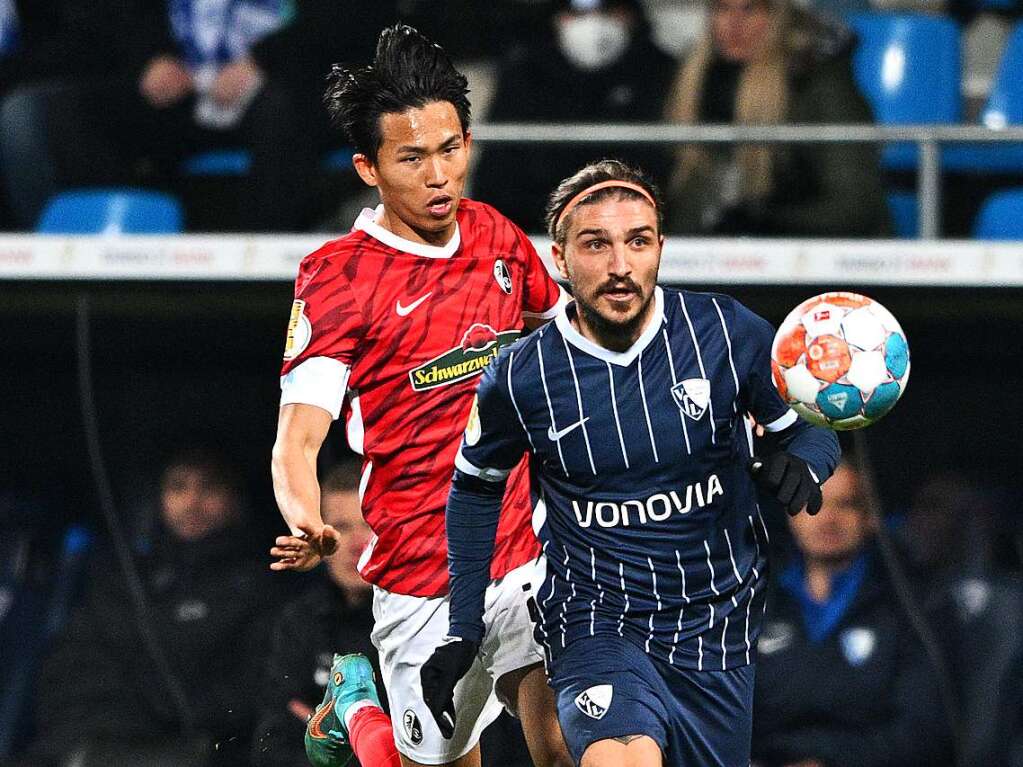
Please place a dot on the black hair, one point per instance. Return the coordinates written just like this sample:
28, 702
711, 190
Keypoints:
595, 173
408, 71
218, 468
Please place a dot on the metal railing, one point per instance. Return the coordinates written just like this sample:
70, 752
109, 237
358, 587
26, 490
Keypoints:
929, 138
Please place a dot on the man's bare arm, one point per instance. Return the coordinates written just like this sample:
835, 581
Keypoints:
301, 430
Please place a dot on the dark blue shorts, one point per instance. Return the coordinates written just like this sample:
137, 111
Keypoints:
607, 687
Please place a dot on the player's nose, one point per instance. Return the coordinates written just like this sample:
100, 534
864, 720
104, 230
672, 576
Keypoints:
435, 175
619, 263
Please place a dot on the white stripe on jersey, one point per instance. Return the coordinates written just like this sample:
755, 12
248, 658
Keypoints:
724, 647
756, 543
579, 403
642, 394
364, 480
731, 556
681, 611
511, 394
699, 360
710, 564
699, 646
614, 407
749, 604
625, 609
564, 605
653, 575
749, 440
731, 361
547, 394
674, 382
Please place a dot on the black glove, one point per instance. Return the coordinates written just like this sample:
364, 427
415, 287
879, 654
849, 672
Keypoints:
440, 674
790, 480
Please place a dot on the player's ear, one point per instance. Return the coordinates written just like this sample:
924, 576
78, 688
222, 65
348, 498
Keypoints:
558, 254
366, 169
467, 140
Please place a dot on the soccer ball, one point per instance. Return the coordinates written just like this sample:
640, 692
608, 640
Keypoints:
840, 360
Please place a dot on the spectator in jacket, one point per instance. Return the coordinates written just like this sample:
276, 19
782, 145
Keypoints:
842, 680
597, 62
769, 62
172, 683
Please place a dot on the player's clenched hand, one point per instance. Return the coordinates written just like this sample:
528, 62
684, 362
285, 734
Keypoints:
304, 552
790, 480
440, 674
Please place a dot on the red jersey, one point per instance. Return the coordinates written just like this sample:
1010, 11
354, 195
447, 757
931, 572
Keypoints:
395, 335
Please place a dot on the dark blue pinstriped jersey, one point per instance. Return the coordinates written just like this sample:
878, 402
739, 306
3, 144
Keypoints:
646, 510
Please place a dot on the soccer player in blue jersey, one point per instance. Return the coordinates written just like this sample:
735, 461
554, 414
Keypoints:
635, 404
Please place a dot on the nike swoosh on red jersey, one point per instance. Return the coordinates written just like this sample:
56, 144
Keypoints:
406, 310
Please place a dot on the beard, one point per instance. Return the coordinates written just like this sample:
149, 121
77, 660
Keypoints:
622, 331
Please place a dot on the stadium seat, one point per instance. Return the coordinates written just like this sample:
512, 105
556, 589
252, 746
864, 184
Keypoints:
1004, 108
908, 67
218, 162
905, 214
1001, 216
111, 211
238, 162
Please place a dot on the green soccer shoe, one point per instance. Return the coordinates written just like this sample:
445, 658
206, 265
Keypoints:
326, 737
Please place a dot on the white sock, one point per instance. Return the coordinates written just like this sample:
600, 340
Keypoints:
354, 708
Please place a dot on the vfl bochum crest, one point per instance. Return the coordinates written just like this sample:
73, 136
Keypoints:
595, 701
692, 396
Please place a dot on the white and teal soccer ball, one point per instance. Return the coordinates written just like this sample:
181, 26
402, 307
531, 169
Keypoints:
840, 360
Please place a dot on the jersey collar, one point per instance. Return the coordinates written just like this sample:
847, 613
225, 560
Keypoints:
625, 358
367, 222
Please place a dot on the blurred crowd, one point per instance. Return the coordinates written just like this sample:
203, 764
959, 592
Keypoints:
889, 639
138, 92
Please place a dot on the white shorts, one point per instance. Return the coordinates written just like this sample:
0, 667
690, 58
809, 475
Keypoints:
406, 632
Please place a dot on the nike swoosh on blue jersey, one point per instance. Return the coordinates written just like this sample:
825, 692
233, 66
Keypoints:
554, 436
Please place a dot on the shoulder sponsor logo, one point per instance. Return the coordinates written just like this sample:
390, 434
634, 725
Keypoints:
405, 311
656, 508
692, 396
480, 346
413, 730
858, 645
503, 276
299, 331
555, 436
595, 701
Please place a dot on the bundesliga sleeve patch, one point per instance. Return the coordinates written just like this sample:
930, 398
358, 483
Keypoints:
299, 331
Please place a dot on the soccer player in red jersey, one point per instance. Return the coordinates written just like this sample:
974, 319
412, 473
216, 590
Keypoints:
391, 327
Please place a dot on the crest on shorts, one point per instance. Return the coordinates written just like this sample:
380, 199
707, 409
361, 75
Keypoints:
595, 701
692, 396
413, 730
503, 276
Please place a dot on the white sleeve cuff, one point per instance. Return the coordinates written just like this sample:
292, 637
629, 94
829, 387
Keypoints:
319, 381
489, 475
782, 423
550, 314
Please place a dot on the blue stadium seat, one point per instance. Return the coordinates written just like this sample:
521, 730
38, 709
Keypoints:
111, 211
1004, 108
905, 214
1001, 216
218, 162
238, 162
908, 67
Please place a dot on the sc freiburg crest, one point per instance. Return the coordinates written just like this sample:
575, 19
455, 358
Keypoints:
503, 276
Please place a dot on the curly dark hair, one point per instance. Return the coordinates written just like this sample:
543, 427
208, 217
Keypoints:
595, 173
408, 71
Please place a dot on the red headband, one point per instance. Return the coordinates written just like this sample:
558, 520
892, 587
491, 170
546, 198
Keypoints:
597, 187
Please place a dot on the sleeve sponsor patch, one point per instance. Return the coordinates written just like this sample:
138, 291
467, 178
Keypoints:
299, 331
